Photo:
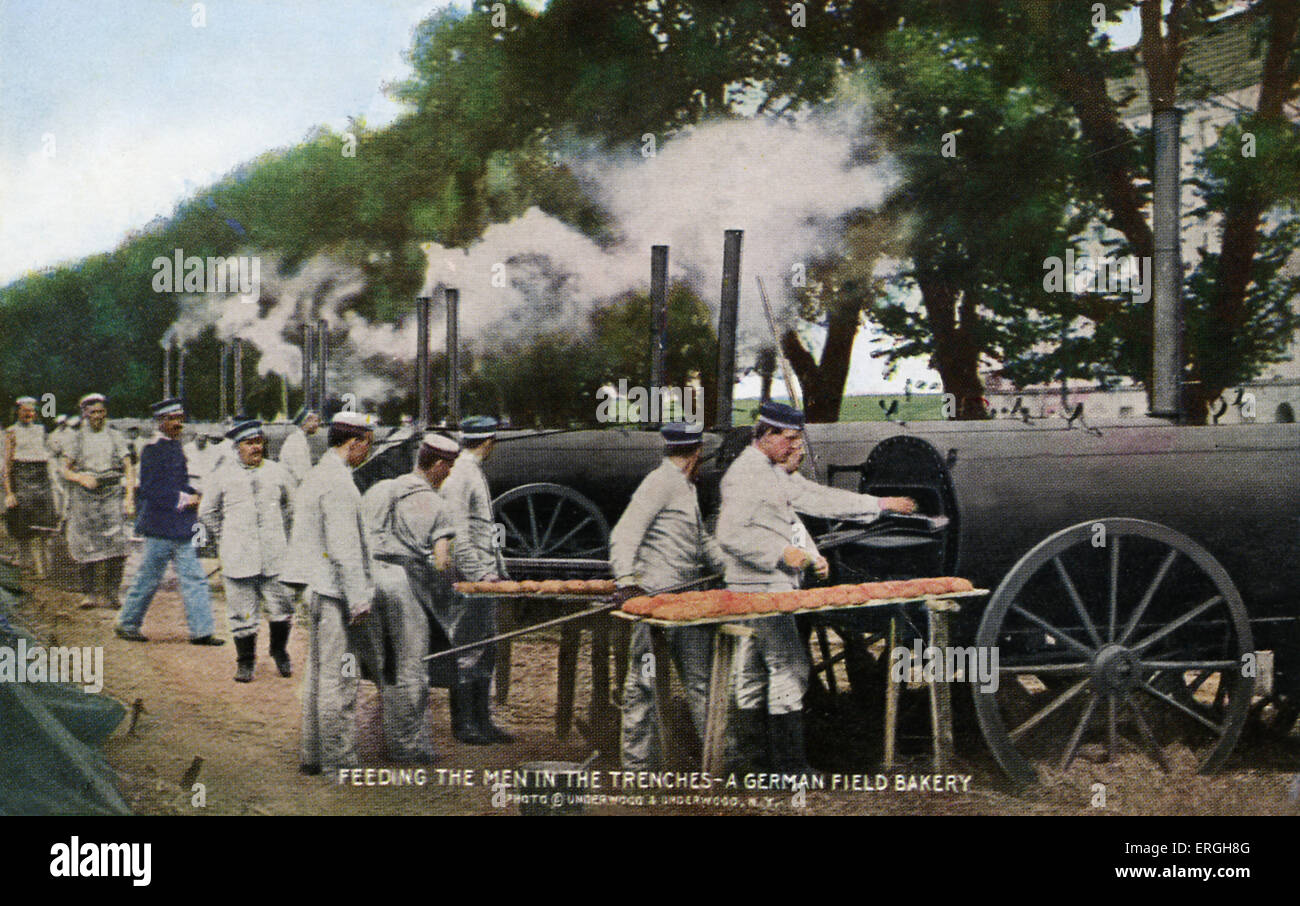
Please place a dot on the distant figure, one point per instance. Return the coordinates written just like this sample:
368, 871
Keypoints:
97, 467
29, 498
295, 453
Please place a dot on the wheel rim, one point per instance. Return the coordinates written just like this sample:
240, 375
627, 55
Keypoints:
1129, 644
551, 520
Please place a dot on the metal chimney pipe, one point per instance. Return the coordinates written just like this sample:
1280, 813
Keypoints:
658, 315
422, 370
1167, 304
180, 372
308, 357
453, 357
225, 377
237, 365
167, 370
728, 313
766, 367
322, 363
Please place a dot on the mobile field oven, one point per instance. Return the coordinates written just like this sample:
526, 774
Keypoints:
1145, 573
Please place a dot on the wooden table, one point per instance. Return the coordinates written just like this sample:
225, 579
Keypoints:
727, 641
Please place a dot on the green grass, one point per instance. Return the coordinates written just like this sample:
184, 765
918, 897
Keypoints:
921, 406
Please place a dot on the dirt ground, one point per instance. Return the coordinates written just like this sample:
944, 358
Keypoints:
247, 738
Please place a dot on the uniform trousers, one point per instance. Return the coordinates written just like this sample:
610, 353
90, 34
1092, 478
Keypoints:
774, 660
329, 693
406, 625
466, 621
242, 596
691, 648
194, 585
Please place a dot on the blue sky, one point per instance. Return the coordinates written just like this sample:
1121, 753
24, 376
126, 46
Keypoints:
140, 108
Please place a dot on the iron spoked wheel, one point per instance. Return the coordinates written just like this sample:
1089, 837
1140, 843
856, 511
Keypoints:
1116, 634
551, 520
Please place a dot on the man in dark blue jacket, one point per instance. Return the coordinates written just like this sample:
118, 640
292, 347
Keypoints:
168, 507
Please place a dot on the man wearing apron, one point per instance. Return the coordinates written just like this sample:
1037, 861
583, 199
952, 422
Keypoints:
97, 467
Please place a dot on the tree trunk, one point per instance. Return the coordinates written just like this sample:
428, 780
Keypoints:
956, 353
823, 383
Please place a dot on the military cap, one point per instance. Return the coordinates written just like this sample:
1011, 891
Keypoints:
444, 447
478, 427
779, 415
173, 405
682, 434
244, 430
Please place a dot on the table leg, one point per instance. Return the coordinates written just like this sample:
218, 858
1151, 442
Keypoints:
570, 637
940, 691
620, 638
725, 643
891, 698
668, 741
506, 621
602, 721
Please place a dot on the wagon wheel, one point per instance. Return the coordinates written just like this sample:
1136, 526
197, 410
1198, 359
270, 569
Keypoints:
551, 520
1114, 633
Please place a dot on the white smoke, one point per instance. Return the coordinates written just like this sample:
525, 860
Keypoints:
787, 186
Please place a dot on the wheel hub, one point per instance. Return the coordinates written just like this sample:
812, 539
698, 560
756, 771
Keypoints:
1116, 668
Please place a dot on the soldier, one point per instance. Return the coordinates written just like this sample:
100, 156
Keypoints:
767, 549
29, 499
477, 558
245, 506
411, 531
57, 440
660, 542
167, 519
330, 554
295, 453
97, 467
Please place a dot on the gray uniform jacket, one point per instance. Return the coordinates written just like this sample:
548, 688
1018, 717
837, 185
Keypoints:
329, 551
295, 455
759, 519
466, 493
246, 509
660, 540
411, 512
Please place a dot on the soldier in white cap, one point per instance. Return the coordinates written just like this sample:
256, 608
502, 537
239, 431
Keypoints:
97, 467
411, 531
661, 542
59, 487
767, 549
329, 553
295, 452
29, 499
477, 557
246, 505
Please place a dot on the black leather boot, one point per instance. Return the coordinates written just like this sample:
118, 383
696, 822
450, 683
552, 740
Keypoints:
280, 646
786, 744
245, 657
463, 725
483, 713
750, 753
